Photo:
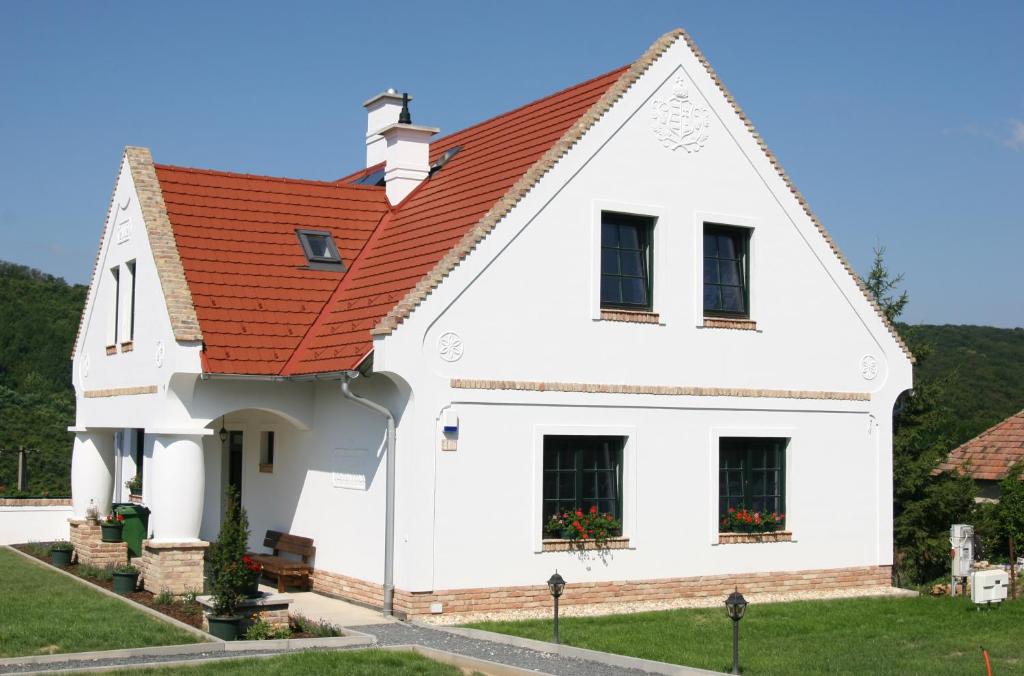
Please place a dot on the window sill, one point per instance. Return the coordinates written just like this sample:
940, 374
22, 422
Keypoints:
585, 545
753, 538
735, 324
128, 346
631, 316
266, 468
111, 349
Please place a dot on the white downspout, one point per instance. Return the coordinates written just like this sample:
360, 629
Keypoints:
389, 509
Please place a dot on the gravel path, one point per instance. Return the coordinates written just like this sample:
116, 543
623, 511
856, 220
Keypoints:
386, 634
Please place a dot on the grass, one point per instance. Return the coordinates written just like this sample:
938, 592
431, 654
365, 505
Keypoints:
355, 663
43, 612
920, 635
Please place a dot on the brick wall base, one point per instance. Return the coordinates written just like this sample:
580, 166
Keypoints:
176, 567
483, 600
87, 539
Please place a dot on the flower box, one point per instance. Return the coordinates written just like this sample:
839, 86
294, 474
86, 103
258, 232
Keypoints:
751, 538
559, 545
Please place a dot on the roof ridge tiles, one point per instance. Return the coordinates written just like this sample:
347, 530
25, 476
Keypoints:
326, 183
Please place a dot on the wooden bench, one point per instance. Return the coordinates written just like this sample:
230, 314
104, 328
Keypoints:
287, 570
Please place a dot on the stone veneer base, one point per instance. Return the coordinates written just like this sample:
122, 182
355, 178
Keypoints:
90, 550
176, 567
482, 600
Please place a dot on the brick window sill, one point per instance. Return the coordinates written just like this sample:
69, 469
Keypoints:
111, 349
754, 538
734, 324
630, 316
127, 346
577, 545
266, 468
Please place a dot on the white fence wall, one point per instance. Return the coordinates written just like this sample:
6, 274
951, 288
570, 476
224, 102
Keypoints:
34, 520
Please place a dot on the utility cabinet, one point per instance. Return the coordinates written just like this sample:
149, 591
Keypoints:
989, 586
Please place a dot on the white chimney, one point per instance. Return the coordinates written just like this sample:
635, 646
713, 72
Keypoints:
382, 110
406, 155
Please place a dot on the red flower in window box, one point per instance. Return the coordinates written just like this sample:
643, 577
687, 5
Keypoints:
743, 520
591, 525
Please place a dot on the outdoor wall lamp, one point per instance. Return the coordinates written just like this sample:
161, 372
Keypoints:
556, 585
736, 606
223, 434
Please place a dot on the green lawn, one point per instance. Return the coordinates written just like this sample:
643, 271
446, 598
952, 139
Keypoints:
921, 635
356, 663
43, 612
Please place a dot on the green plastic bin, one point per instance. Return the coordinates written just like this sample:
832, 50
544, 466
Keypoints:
136, 526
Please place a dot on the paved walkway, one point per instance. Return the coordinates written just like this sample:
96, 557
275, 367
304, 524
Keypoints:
334, 611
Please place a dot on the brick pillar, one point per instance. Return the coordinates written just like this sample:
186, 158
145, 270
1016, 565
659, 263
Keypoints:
176, 567
87, 539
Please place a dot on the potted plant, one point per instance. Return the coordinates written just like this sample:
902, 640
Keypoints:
126, 578
112, 528
583, 526
134, 486
60, 553
255, 571
229, 575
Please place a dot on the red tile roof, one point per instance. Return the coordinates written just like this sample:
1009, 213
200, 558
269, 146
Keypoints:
990, 454
254, 295
261, 311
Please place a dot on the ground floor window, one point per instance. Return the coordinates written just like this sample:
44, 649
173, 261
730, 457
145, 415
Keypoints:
751, 476
582, 472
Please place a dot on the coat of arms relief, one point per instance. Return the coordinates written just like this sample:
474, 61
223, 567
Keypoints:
679, 122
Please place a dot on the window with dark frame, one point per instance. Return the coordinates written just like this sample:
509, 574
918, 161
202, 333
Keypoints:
726, 271
320, 250
581, 472
626, 261
115, 276
267, 448
752, 474
131, 301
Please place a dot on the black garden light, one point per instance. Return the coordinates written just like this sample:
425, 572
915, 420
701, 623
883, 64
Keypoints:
223, 434
557, 585
736, 606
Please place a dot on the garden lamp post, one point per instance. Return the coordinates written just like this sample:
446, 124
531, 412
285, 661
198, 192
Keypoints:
556, 584
736, 606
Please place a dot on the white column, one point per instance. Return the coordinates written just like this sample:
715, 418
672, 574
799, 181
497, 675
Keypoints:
92, 471
175, 484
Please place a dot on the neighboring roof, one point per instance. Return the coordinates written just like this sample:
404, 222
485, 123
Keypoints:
991, 454
260, 312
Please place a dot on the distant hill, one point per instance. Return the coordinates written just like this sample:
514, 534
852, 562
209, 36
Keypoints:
39, 316
983, 369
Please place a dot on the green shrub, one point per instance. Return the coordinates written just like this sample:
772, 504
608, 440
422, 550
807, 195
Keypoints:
39, 550
261, 630
61, 546
94, 572
164, 598
228, 575
126, 569
300, 624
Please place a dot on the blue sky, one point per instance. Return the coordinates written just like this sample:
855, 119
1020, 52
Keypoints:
903, 124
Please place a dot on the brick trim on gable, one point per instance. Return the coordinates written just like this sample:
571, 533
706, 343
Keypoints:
177, 295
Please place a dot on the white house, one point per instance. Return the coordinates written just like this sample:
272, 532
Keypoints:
612, 296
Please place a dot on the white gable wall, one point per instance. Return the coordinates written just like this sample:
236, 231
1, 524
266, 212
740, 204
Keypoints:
154, 355
525, 307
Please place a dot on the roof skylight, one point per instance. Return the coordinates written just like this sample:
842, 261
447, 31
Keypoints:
320, 250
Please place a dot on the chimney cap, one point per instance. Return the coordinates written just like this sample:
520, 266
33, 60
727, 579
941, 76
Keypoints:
390, 94
411, 127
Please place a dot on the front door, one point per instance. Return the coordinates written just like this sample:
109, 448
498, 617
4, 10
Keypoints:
235, 461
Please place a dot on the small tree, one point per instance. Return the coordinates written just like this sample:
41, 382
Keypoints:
229, 576
1011, 516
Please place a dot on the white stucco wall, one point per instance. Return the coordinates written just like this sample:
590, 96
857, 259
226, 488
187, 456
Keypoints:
525, 305
33, 524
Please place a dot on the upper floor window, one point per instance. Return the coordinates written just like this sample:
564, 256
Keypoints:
626, 257
320, 250
726, 271
115, 307
128, 331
